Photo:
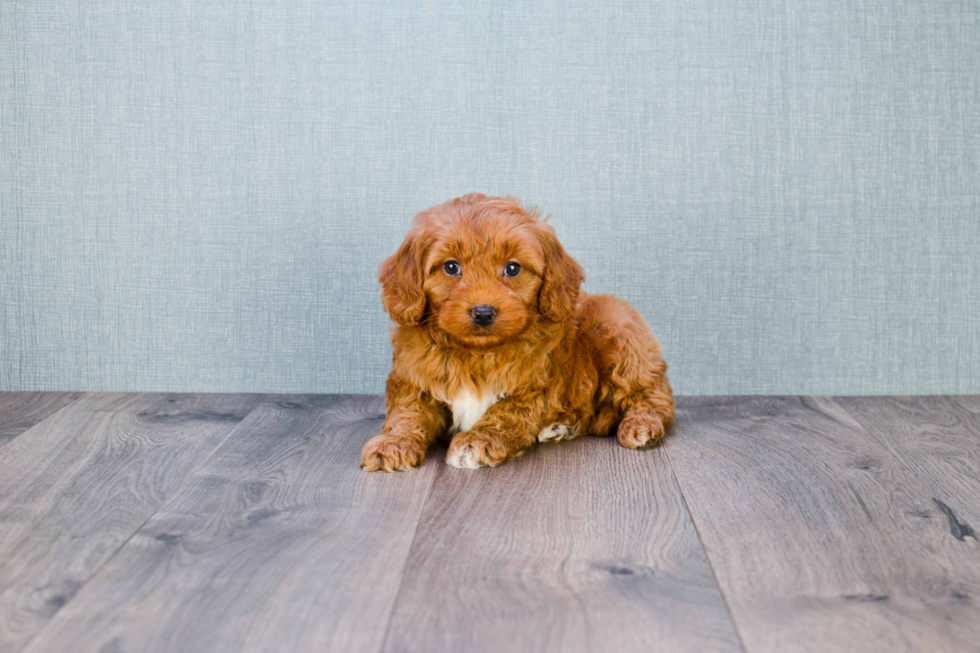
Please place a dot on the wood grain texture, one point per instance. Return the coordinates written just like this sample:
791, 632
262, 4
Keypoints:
79, 484
280, 542
20, 411
838, 524
578, 546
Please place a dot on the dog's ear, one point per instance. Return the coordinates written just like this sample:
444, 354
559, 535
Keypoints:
401, 280
562, 277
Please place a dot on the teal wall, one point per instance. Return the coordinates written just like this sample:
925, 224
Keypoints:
196, 195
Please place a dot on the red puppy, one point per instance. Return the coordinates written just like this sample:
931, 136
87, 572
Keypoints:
497, 345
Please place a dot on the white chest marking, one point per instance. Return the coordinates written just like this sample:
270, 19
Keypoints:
468, 408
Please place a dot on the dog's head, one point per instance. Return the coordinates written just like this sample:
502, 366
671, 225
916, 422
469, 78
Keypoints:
482, 270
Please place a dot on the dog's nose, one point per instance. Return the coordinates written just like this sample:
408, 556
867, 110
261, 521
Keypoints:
483, 315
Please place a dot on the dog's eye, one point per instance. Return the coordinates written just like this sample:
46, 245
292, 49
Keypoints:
512, 269
451, 268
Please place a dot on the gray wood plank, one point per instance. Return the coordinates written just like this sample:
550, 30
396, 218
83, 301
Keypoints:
578, 546
279, 542
20, 411
77, 485
821, 518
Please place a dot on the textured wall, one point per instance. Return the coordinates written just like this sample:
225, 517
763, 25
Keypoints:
196, 195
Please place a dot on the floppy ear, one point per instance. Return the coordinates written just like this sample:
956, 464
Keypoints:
401, 281
562, 277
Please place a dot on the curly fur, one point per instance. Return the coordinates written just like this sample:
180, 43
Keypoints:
556, 362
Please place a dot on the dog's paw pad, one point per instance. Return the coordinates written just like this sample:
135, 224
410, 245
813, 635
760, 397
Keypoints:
640, 431
467, 457
555, 432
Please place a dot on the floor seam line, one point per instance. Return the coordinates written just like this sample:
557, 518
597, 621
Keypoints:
704, 548
47, 417
411, 547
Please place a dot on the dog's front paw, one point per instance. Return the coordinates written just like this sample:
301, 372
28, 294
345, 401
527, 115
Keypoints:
388, 453
640, 430
472, 449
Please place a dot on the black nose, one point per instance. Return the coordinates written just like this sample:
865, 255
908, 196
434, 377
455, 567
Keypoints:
483, 315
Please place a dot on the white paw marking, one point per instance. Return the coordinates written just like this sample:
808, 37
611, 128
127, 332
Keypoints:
465, 458
555, 432
468, 408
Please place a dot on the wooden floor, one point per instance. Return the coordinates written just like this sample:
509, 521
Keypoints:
241, 522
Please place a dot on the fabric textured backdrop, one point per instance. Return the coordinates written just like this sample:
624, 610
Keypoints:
196, 195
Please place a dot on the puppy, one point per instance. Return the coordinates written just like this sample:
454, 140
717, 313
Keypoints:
497, 346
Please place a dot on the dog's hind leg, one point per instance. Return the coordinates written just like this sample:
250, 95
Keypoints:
641, 392
633, 398
647, 417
